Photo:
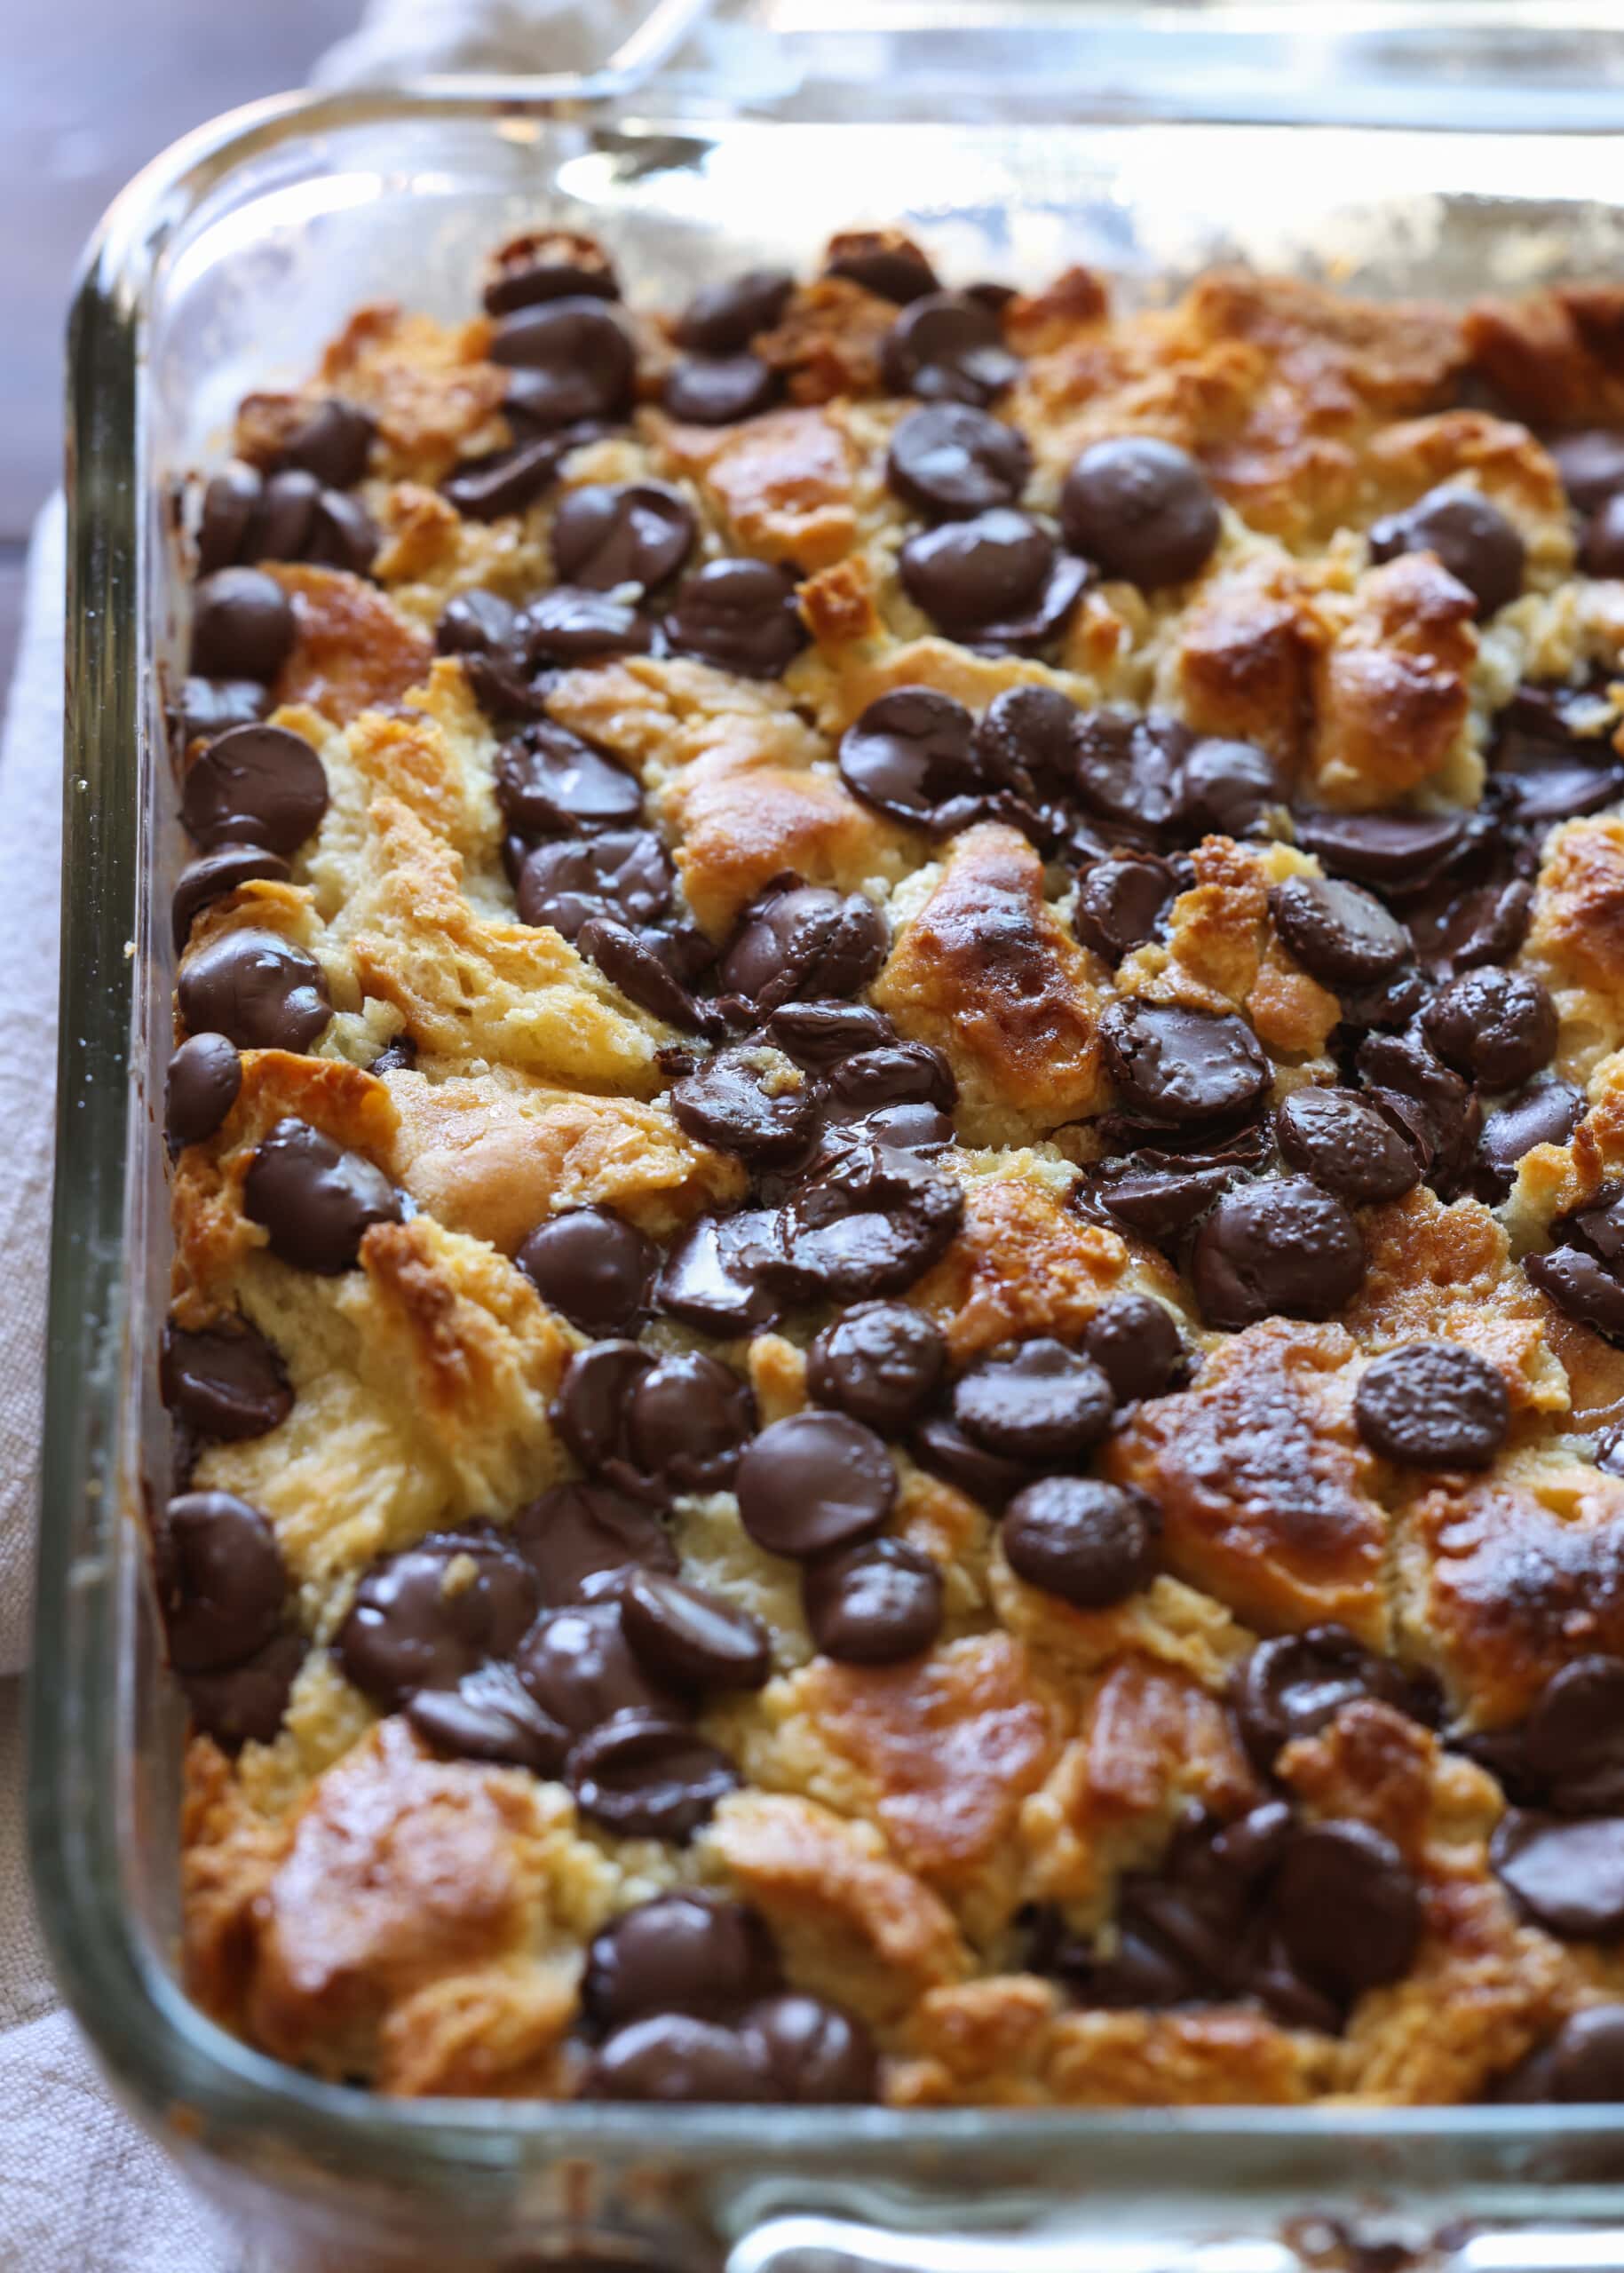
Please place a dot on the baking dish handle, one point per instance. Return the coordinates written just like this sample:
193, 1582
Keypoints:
655, 40
819, 2245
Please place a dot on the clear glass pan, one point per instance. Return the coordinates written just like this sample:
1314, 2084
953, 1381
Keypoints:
227, 265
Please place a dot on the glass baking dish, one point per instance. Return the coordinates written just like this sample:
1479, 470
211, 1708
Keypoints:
227, 265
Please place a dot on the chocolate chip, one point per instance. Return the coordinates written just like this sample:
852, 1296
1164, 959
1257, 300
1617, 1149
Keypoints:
208, 706
637, 965
284, 518
1347, 1145
200, 1089
1585, 2061
1136, 1345
1296, 1684
1567, 1874
424, 1617
1228, 787
593, 1399
945, 348
1580, 1289
1091, 1543
475, 623
869, 1225
873, 1605
814, 1482
570, 625
591, 1266
1547, 769
578, 1664
550, 783
490, 1715
1141, 509
941, 1447
1547, 1112
1602, 551
1486, 925
869, 1082
1120, 905
220, 1579
1348, 1906
816, 2054
721, 318
623, 874
952, 460
1495, 1027
1591, 465
740, 616
244, 1703
804, 940
1573, 1739
646, 1778
1281, 1246
1130, 772
571, 360
223, 1380
1176, 1065
576, 1534
334, 443
1432, 1104
610, 534
719, 390
692, 1638
1159, 1198
343, 533
967, 574
1034, 1401
679, 2059
821, 1033
884, 262
1338, 932
681, 1952
242, 626
1472, 538
258, 989
255, 785
230, 502
749, 1100
548, 265
716, 1277
506, 481
1386, 849
686, 1419
315, 1199
879, 1362
909, 754
1029, 741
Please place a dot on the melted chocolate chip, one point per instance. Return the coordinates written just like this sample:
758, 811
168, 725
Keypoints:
816, 2054
334, 443
640, 966
400, 1057
591, 1267
1495, 1027
873, 1605
1159, 1197
717, 1277
256, 989
947, 348
1130, 772
610, 534
941, 1447
953, 460
283, 516
231, 500
1090, 1542
686, 1419
1141, 510
1591, 463
1487, 924
220, 1580
880, 1363
200, 1089
1136, 1345
683, 1952
884, 262
242, 626
1121, 904
871, 1224
1348, 1906
1389, 849
910, 755
593, 1398
1547, 1112
548, 265
1296, 1684
804, 940
550, 783
1601, 552
214, 873
968, 575
425, 1618
1567, 1874
1573, 1739
1228, 787
749, 1100
821, 1033
1547, 771
578, 1664
1347, 1145
871, 1083
1584, 2063
571, 360
1473, 539
1176, 1065
1580, 1290
256, 784
719, 390
1029, 741
812, 1482
721, 318
244, 1704
646, 1778
1430, 1104
223, 1380
690, 1638
740, 615
1337, 931
490, 1715
679, 2059
623, 874
506, 481
569, 625
1034, 1401
343, 533
315, 1199
578, 1533
1282, 1245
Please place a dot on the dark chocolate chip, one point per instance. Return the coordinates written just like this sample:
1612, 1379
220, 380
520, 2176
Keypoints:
870, 1225
873, 1605
1130, 772
1385, 848
1160, 1198
879, 1362
884, 262
1494, 1027
1120, 905
910, 753
721, 318
1228, 787
692, 1638
1586, 2059
578, 1664
400, 1057
490, 1715
506, 481
594, 1397
550, 783
242, 626
750, 1100
681, 1952
678, 2058
200, 1089
716, 1277
1029, 742
315, 1199
244, 1703
1338, 932
740, 616
284, 518
1573, 1737
548, 265
686, 1419
1580, 1289
475, 623
1348, 1908
1142, 509
1034, 1401
816, 2054
1136, 1345
941, 1447
969, 574
334, 443
220, 1580
1547, 771
647, 1777
1091, 1543
1591, 463
255, 785
230, 502
1418, 1090
1487, 924
812, 1482
343, 533
1566, 1872
256, 988
571, 360
821, 1033
578, 1533
869, 1082
1473, 539
1347, 1145
223, 1380
1177, 1064
719, 390
623, 874
1546, 1113
591, 1266
1296, 1684
945, 348
1282, 1245
610, 534
1602, 551
952, 460
636, 963
423, 1618
804, 940
571, 625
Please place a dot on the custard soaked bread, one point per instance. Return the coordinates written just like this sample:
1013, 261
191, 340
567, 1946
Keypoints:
897, 1336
